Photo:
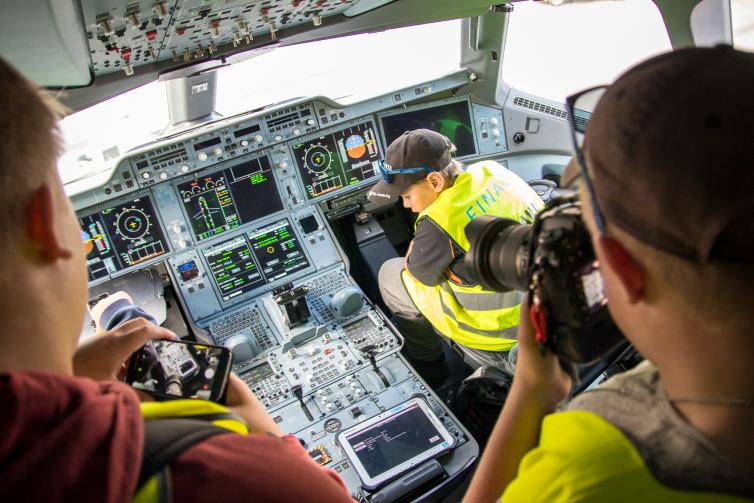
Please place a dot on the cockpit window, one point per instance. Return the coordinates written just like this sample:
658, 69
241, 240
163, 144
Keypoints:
554, 51
742, 17
346, 68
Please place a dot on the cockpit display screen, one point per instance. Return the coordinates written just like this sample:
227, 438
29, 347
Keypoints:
278, 250
255, 258
121, 236
225, 199
233, 267
451, 119
339, 159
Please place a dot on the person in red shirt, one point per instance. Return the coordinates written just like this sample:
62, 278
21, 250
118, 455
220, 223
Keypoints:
71, 431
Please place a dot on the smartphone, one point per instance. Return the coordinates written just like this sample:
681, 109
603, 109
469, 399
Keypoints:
178, 369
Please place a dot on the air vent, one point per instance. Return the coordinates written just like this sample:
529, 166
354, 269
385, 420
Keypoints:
581, 122
540, 107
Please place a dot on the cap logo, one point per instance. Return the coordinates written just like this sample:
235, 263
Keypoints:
378, 194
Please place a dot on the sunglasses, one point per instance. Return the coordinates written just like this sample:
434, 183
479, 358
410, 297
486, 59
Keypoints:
580, 107
387, 171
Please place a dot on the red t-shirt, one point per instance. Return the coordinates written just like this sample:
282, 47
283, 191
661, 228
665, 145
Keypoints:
73, 439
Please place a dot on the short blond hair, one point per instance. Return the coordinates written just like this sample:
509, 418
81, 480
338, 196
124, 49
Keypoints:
30, 143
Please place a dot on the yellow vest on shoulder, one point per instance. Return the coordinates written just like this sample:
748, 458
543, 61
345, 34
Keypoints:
583, 458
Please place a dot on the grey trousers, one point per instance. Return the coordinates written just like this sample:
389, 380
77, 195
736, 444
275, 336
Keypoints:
422, 341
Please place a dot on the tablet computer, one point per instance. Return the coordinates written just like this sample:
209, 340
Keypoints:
394, 442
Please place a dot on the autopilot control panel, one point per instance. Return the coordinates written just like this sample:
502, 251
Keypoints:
229, 212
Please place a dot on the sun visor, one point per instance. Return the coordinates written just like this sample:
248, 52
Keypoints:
44, 40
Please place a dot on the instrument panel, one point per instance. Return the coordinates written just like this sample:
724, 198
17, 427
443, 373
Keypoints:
231, 211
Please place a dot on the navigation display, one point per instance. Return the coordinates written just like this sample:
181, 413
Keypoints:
233, 267
225, 199
248, 261
278, 250
120, 237
451, 119
338, 159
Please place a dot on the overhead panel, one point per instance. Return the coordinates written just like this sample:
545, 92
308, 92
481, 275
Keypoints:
125, 35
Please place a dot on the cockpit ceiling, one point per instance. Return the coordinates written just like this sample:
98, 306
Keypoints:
124, 35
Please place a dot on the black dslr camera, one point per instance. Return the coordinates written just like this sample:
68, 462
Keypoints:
553, 260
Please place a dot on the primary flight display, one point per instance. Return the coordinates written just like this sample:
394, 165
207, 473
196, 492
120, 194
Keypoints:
338, 159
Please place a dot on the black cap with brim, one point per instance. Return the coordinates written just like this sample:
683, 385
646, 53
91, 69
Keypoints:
412, 149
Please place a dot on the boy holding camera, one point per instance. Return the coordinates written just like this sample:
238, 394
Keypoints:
664, 188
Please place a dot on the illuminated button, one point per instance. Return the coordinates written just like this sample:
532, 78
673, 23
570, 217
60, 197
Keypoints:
244, 143
163, 176
184, 168
202, 156
218, 151
146, 175
258, 138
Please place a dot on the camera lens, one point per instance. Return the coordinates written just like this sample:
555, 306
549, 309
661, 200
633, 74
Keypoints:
498, 254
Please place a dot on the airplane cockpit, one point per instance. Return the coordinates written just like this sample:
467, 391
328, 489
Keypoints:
235, 210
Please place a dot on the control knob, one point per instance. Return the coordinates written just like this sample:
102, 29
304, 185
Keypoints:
163, 176
283, 164
496, 133
218, 151
146, 175
258, 138
310, 122
494, 121
178, 228
202, 156
297, 131
184, 168
278, 137
182, 243
244, 143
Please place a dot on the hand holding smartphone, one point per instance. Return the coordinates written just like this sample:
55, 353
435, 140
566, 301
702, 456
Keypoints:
178, 369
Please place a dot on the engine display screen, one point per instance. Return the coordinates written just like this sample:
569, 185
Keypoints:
225, 199
339, 159
245, 262
278, 250
451, 119
233, 267
120, 237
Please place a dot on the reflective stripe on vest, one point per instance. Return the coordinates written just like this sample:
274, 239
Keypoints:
471, 315
583, 458
158, 487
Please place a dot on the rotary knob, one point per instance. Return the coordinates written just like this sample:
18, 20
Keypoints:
218, 151
184, 168
244, 143
297, 131
278, 137
310, 122
163, 176
202, 156
258, 138
146, 175
283, 164
495, 133
494, 121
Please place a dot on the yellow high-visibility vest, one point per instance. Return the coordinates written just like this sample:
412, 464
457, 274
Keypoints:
582, 458
468, 314
156, 489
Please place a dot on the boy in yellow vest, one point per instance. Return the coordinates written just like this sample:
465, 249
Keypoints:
666, 179
431, 287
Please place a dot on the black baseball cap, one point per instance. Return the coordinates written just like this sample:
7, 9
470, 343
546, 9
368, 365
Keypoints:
668, 150
420, 148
